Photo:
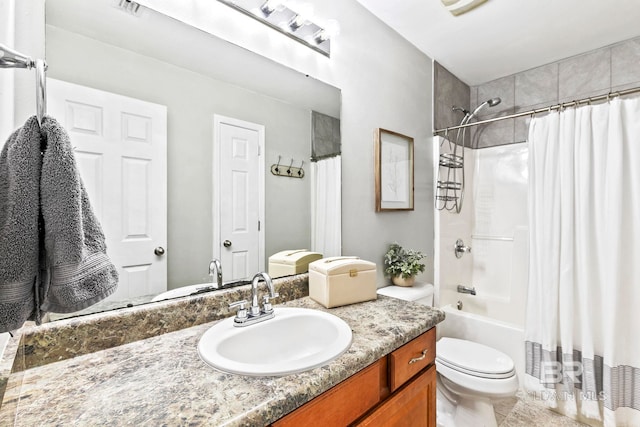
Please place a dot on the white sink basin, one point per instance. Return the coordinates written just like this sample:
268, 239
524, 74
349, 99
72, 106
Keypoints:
295, 340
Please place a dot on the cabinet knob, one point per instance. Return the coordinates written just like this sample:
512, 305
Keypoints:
159, 251
226, 243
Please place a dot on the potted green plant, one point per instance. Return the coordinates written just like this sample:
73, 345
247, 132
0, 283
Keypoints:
402, 265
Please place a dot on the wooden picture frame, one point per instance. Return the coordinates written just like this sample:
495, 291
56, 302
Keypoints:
394, 171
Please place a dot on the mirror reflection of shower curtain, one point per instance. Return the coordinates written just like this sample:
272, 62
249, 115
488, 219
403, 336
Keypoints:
583, 305
326, 206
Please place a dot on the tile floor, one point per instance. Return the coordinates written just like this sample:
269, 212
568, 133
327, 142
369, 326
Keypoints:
524, 411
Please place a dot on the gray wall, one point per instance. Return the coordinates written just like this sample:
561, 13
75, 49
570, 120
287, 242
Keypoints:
593, 73
386, 83
192, 99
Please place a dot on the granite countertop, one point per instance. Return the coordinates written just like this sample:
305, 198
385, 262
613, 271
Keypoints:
162, 381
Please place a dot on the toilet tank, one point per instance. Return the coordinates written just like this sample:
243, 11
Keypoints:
421, 293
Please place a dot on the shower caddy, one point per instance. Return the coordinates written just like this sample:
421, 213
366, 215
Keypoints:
450, 185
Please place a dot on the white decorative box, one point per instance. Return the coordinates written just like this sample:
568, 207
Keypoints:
338, 281
290, 262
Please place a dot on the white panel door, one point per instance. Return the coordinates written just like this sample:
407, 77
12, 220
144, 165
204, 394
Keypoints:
240, 184
121, 151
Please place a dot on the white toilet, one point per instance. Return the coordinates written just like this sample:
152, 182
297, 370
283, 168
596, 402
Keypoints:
470, 375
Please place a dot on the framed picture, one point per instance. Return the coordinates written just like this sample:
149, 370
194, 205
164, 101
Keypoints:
394, 171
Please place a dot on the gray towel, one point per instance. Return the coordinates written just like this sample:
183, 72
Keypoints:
20, 164
52, 250
80, 273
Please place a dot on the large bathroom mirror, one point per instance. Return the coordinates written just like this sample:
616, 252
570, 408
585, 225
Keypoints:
197, 79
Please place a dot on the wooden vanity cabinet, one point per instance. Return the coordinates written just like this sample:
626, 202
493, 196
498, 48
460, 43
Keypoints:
413, 405
397, 390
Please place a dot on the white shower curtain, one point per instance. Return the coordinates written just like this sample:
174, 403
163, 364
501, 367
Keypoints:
326, 206
583, 310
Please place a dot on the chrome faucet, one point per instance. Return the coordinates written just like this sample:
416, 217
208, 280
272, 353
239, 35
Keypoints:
466, 290
254, 314
255, 307
215, 271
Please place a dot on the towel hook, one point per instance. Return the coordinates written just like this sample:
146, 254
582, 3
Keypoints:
277, 168
289, 169
300, 169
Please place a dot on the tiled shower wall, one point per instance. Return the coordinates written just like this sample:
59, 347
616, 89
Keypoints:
597, 72
448, 91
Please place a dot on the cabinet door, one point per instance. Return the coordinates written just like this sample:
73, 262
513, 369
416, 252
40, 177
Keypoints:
413, 405
345, 402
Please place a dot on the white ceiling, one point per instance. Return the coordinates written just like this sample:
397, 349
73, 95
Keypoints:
503, 37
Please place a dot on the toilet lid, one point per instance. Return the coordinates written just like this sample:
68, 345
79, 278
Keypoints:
473, 358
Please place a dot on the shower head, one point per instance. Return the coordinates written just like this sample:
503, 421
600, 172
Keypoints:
490, 102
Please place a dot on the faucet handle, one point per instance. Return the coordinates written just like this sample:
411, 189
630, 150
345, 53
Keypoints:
242, 313
266, 306
460, 248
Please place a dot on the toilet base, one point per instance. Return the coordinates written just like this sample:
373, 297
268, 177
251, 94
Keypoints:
468, 412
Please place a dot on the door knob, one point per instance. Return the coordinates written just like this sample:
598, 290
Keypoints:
226, 243
159, 251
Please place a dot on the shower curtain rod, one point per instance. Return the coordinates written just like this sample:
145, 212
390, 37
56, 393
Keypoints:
560, 106
10, 58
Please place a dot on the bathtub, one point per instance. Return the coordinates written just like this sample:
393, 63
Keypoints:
503, 336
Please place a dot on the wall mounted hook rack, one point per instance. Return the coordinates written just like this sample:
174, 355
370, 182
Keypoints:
288, 171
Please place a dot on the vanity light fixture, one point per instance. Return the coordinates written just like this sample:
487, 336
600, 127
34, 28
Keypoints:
129, 6
295, 24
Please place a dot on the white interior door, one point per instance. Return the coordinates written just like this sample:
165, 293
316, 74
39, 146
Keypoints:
121, 151
239, 202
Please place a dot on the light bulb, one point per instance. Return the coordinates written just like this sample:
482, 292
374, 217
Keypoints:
301, 17
331, 30
270, 6
296, 22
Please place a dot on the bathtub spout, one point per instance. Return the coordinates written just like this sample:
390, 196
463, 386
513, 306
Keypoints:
466, 290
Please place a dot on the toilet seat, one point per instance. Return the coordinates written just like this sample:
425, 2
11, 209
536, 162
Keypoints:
474, 359
486, 375
470, 369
